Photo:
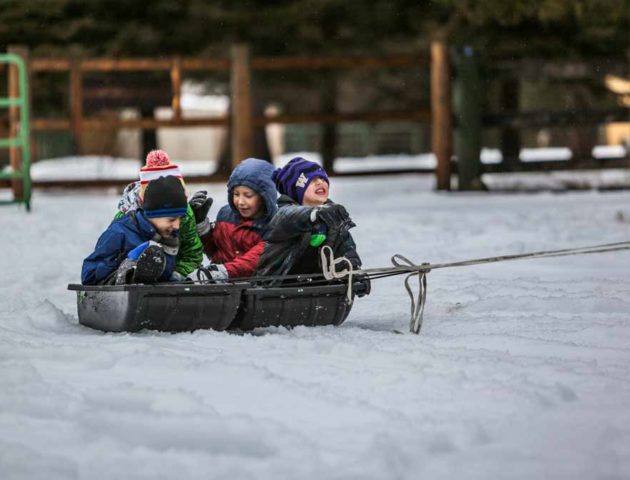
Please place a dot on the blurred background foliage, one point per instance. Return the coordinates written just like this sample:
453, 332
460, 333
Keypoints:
515, 28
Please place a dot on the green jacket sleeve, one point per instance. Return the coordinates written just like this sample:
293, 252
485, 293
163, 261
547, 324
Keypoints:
190, 247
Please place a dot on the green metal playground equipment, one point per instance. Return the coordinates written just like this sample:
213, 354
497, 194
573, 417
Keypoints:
22, 140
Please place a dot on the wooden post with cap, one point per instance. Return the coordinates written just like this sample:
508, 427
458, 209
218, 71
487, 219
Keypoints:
441, 113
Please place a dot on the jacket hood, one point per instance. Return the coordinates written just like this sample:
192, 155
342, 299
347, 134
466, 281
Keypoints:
255, 174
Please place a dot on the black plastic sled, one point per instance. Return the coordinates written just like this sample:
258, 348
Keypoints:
187, 307
165, 307
292, 306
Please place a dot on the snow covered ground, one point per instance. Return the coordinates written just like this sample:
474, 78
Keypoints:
522, 369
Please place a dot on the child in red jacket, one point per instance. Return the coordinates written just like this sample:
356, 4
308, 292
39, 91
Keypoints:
235, 241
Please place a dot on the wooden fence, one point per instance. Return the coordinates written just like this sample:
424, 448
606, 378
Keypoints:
241, 120
441, 116
579, 116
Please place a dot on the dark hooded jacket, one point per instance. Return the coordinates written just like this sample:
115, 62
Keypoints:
288, 250
234, 242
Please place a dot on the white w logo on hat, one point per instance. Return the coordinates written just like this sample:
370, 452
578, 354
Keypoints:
301, 181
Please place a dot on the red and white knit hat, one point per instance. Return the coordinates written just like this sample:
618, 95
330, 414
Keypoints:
158, 165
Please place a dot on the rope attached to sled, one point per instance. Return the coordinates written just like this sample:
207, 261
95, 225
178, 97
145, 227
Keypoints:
403, 265
329, 269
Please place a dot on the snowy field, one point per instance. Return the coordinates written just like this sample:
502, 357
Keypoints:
521, 371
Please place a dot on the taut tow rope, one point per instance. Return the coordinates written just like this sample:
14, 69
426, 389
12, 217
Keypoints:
403, 265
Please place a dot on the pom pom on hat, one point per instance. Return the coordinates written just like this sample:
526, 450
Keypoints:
157, 158
158, 165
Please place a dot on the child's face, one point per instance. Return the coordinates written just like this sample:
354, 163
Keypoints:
316, 193
247, 202
166, 226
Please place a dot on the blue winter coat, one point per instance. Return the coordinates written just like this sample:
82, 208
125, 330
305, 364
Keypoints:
123, 235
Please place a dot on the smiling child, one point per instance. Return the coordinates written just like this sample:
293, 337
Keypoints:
141, 246
306, 220
235, 241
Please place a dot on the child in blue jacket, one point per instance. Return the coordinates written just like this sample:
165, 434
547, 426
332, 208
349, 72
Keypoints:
141, 246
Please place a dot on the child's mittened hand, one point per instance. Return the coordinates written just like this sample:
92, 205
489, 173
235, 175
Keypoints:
205, 227
136, 252
216, 272
200, 204
333, 215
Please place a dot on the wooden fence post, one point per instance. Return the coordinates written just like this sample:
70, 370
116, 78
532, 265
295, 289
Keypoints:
510, 137
15, 154
76, 103
176, 83
241, 118
441, 113
468, 112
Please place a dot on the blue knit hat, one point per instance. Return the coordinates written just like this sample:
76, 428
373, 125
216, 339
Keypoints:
293, 179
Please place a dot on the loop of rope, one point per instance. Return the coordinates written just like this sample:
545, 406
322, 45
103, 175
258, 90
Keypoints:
329, 269
418, 301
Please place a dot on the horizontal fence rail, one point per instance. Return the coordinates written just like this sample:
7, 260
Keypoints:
192, 64
566, 118
176, 66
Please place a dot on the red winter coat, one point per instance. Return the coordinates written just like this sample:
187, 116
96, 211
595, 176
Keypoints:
235, 243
